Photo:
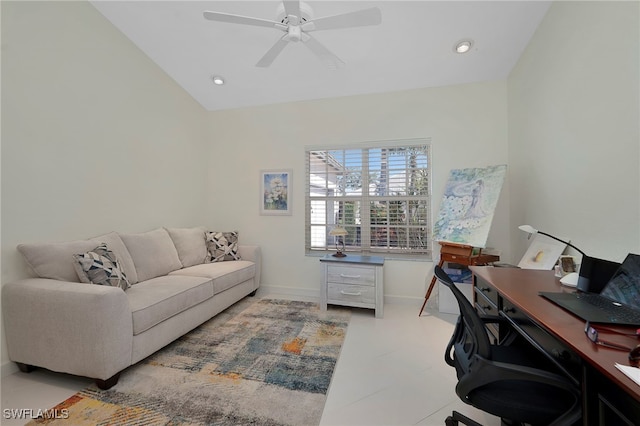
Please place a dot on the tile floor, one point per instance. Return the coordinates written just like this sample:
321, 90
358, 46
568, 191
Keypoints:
391, 371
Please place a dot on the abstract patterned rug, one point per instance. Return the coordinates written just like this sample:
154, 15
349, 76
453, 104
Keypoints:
260, 362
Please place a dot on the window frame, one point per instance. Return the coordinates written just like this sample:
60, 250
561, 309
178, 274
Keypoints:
318, 226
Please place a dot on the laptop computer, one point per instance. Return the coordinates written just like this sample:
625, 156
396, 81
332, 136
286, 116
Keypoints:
617, 303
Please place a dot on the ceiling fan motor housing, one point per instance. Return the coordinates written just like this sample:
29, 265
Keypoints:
296, 28
305, 11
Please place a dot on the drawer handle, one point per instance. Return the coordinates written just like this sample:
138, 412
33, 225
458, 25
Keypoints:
348, 293
487, 307
486, 289
509, 310
350, 276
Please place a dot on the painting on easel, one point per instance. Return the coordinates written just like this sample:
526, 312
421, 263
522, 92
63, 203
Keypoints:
468, 205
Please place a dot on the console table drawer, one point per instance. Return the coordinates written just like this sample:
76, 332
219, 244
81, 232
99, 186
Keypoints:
365, 294
351, 275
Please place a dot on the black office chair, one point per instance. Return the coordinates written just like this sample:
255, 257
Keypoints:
512, 380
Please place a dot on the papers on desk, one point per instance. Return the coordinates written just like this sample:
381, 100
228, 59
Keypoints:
631, 372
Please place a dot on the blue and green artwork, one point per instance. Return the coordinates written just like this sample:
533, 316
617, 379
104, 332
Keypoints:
468, 205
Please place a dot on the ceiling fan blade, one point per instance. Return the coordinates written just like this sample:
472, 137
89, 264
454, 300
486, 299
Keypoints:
238, 19
293, 8
359, 18
272, 53
332, 61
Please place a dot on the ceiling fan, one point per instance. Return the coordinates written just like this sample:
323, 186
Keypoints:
295, 19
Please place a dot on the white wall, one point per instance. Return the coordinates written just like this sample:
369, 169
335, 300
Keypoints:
574, 136
467, 127
74, 89
95, 137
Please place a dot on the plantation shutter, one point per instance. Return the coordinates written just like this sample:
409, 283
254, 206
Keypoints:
378, 192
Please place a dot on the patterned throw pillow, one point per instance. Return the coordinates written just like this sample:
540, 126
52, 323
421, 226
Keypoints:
222, 246
100, 266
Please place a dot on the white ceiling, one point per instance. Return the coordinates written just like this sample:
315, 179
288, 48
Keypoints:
412, 48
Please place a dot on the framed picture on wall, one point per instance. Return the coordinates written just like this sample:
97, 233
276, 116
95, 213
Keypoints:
275, 192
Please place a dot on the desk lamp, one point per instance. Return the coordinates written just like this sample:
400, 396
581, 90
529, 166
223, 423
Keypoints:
594, 273
531, 230
339, 233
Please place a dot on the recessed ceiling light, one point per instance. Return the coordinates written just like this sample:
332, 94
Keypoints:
463, 46
217, 80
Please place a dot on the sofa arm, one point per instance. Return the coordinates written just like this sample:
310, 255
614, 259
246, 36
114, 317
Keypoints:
81, 329
253, 254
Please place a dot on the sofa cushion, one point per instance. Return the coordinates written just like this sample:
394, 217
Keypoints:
100, 266
158, 299
223, 274
55, 260
222, 246
190, 244
115, 244
153, 253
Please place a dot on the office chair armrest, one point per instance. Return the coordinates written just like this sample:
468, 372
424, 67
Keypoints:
487, 319
454, 338
507, 332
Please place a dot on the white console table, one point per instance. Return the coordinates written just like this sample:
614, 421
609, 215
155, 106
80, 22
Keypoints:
353, 281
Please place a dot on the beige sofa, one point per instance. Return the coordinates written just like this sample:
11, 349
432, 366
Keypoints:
161, 285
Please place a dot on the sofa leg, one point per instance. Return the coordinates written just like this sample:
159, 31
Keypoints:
108, 383
253, 293
25, 368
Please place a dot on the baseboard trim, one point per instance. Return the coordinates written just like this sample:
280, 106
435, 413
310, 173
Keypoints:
289, 293
404, 300
8, 368
309, 295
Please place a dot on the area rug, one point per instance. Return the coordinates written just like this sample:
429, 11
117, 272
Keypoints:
260, 362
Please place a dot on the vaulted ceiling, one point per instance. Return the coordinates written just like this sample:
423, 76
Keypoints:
413, 47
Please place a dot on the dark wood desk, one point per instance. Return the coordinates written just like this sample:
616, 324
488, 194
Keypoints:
609, 397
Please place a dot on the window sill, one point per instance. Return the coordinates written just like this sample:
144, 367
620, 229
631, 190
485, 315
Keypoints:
386, 256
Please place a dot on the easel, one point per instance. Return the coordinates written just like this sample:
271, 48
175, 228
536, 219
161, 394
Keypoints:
461, 254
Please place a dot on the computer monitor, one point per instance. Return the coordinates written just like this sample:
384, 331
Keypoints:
595, 274
624, 286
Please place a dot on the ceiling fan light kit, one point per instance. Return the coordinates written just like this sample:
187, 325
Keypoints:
296, 20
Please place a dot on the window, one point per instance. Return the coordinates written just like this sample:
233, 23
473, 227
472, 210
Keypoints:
379, 192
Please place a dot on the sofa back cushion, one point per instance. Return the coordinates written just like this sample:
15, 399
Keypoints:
153, 253
55, 260
115, 244
190, 244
